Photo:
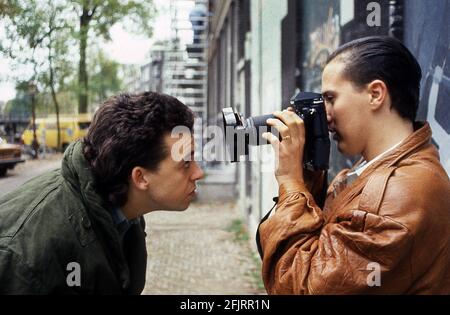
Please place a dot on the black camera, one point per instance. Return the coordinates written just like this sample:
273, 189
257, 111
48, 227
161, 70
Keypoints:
240, 133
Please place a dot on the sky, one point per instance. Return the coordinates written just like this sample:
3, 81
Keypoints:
7, 91
132, 49
125, 48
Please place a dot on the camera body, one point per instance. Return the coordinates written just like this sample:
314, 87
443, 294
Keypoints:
310, 107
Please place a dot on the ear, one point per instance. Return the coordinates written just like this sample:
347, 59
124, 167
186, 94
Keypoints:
378, 94
139, 178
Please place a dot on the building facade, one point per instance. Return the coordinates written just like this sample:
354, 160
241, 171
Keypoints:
264, 51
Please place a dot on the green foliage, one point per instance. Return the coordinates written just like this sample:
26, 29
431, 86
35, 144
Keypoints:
45, 37
8, 8
104, 80
137, 15
239, 230
21, 104
255, 273
240, 233
37, 40
98, 16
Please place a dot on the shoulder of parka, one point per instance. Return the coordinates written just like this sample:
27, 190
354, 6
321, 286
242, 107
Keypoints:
41, 226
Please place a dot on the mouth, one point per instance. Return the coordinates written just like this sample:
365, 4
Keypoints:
193, 192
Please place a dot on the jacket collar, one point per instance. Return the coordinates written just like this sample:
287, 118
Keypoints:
420, 137
76, 171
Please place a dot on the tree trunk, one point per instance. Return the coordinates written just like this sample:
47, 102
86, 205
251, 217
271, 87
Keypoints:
82, 71
55, 99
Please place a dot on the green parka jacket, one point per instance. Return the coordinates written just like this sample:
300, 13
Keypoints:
57, 237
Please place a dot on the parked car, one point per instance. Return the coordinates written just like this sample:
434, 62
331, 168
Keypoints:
10, 155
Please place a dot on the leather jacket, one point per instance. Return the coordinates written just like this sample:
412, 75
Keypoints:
386, 233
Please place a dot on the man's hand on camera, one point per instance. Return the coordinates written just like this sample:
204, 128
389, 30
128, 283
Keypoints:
288, 152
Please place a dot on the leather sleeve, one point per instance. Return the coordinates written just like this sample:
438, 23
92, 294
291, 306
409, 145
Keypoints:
304, 255
316, 183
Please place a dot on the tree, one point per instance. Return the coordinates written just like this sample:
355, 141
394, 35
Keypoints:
56, 48
8, 8
53, 25
104, 77
20, 106
37, 33
99, 16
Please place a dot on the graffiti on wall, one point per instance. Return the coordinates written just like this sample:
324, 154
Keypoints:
323, 40
323, 30
436, 95
427, 35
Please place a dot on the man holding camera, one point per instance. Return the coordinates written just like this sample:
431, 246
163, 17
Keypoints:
384, 227
80, 229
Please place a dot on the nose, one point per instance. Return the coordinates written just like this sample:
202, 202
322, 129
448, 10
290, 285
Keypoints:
198, 172
328, 110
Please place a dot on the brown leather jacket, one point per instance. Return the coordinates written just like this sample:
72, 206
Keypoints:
394, 218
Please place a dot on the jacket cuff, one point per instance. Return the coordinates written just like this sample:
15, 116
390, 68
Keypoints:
288, 188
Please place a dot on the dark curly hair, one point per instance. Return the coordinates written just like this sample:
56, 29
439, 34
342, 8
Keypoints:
386, 59
127, 131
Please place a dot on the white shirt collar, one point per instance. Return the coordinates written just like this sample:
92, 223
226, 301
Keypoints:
366, 164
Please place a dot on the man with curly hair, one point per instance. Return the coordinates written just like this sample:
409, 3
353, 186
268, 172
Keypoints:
87, 216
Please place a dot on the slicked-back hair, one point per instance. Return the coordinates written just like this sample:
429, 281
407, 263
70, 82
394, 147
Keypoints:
128, 131
386, 59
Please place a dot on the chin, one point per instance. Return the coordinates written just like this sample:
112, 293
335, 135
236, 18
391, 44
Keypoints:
343, 149
181, 207
348, 151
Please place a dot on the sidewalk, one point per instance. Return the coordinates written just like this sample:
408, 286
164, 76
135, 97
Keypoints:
200, 251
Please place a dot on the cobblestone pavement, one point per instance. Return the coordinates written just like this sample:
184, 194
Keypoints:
194, 252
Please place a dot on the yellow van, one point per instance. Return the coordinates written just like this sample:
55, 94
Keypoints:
72, 128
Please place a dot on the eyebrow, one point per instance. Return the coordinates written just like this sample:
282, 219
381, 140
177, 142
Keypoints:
328, 93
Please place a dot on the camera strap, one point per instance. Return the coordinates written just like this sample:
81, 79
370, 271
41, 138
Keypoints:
258, 242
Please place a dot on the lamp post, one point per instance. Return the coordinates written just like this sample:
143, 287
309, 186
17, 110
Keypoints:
32, 89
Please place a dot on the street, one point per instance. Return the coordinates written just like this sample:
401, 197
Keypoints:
26, 171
